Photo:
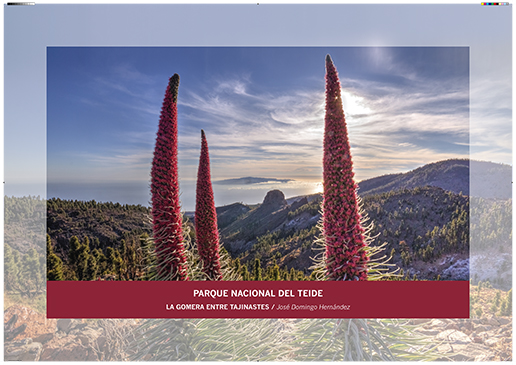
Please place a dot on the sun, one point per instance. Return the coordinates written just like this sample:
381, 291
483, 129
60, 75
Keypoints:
354, 104
318, 188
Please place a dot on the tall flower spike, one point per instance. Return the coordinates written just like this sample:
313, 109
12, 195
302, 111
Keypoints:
345, 256
166, 211
206, 217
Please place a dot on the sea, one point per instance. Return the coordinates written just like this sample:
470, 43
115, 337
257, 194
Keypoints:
139, 192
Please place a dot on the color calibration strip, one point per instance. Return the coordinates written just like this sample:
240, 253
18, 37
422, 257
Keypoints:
495, 3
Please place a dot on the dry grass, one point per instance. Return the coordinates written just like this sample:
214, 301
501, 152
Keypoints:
489, 304
488, 301
38, 303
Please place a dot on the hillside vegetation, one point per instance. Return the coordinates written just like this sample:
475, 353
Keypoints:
421, 226
425, 227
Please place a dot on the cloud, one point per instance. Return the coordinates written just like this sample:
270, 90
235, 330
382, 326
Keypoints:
406, 144
123, 88
394, 123
129, 73
391, 126
415, 122
250, 128
237, 87
491, 120
121, 159
251, 180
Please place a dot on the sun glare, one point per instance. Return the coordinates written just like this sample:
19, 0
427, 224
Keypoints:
318, 188
354, 104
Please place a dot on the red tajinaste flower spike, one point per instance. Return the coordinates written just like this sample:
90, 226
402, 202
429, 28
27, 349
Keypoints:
206, 229
345, 242
166, 210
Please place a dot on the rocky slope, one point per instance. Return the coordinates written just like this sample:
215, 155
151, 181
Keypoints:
426, 231
240, 234
423, 215
105, 224
487, 338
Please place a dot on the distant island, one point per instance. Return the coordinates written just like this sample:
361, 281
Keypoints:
250, 180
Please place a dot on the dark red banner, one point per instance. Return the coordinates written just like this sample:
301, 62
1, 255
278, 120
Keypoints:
257, 299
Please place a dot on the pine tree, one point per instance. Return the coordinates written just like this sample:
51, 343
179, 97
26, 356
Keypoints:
237, 264
506, 307
101, 261
146, 248
92, 268
54, 264
206, 217
293, 275
346, 257
257, 271
118, 266
83, 259
32, 275
73, 253
11, 269
166, 211
275, 276
245, 274
110, 260
131, 264
285, 276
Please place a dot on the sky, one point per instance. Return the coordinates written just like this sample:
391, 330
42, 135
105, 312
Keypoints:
93, 161
262, 109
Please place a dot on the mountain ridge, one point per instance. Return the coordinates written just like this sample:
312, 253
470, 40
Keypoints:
423, 214
492, 180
